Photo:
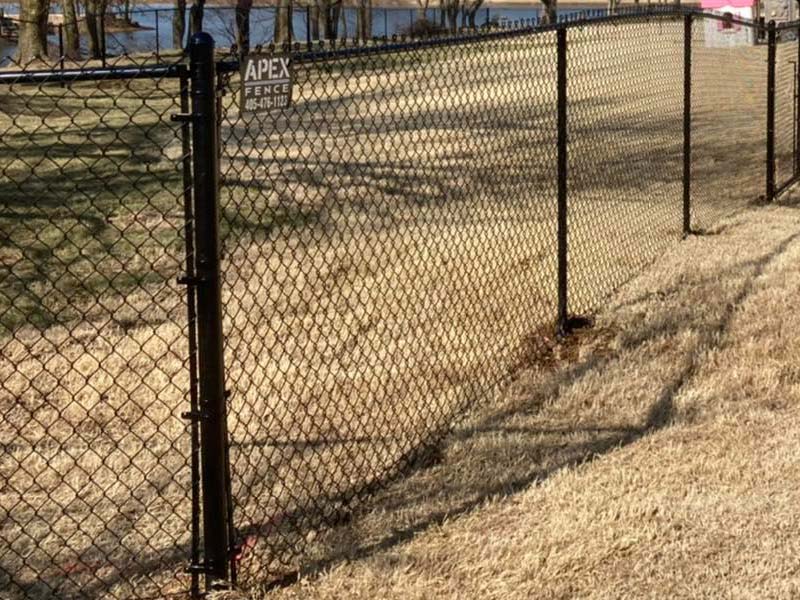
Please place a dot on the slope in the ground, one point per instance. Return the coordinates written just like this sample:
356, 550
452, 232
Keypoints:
659, 461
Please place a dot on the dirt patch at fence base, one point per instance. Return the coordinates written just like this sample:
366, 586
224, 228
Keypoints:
664, 464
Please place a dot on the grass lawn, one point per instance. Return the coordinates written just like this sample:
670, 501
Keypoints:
389, 261
653, 458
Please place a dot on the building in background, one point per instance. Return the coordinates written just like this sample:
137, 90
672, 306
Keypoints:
722, 33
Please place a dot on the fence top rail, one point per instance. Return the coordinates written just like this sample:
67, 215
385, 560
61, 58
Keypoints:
301, 52
55, 75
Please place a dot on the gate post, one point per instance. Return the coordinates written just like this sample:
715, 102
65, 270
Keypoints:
770, 192
561, 45
687, 124
212, 415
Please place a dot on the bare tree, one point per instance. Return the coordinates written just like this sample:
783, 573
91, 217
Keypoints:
422, 9
243, 26
451, 9
283, 22
550, 11
72, 47
96, 27
33, 16
612, 6
364, 16
196, 15
179, 24
327, 13
471, 8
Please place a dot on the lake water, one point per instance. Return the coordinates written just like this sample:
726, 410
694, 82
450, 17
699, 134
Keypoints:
156, 23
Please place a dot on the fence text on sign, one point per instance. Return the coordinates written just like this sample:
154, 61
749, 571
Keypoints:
266, 83
220, 336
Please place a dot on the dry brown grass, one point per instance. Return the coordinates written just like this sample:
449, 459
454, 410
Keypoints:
657, 464
418, 248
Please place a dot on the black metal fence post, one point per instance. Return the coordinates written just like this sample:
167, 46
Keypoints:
797, 109
212, 416
561, 36
687, 124
770, 192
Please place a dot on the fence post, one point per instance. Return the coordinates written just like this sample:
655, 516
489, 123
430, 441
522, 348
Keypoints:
797, 109
213, 427
687, 124
561, 37
770, 192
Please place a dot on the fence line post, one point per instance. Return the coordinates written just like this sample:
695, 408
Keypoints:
561, 44
770, 192
797, 109
687, 124
212, 415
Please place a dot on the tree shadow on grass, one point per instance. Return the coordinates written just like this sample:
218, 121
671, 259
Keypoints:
497, 456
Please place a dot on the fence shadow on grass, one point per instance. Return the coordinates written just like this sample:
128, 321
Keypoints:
497, 456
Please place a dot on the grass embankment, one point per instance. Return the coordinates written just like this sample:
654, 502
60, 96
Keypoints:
389, 261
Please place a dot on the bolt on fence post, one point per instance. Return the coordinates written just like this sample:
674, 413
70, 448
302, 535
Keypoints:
213, 427
770, 192
561, 45
687, 124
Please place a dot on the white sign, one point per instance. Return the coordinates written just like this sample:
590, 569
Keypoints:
266, 84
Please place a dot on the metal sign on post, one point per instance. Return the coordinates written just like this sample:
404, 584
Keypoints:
266, 84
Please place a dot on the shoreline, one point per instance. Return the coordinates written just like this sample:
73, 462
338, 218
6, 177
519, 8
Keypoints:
400, 4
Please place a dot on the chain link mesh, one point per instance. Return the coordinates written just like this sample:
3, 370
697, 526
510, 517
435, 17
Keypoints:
786, 58
390, 247
729, 116
95, 492
625, 115
389, 261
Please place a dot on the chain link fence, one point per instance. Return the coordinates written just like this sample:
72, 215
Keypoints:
394, 245
94, 334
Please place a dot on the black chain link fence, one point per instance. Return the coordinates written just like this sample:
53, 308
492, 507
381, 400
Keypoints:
389, 258
94, 335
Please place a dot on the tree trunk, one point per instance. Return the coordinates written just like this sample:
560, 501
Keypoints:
179, 24
323, 10
72, 43
314, 21
101, 25
196, 16
243, 26
550, 11
333, 18
91, 29
33, 30
283, 22
364, 24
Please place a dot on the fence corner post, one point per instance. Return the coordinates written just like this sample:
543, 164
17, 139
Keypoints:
687, 124
770, 191
212, 415
561, 44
